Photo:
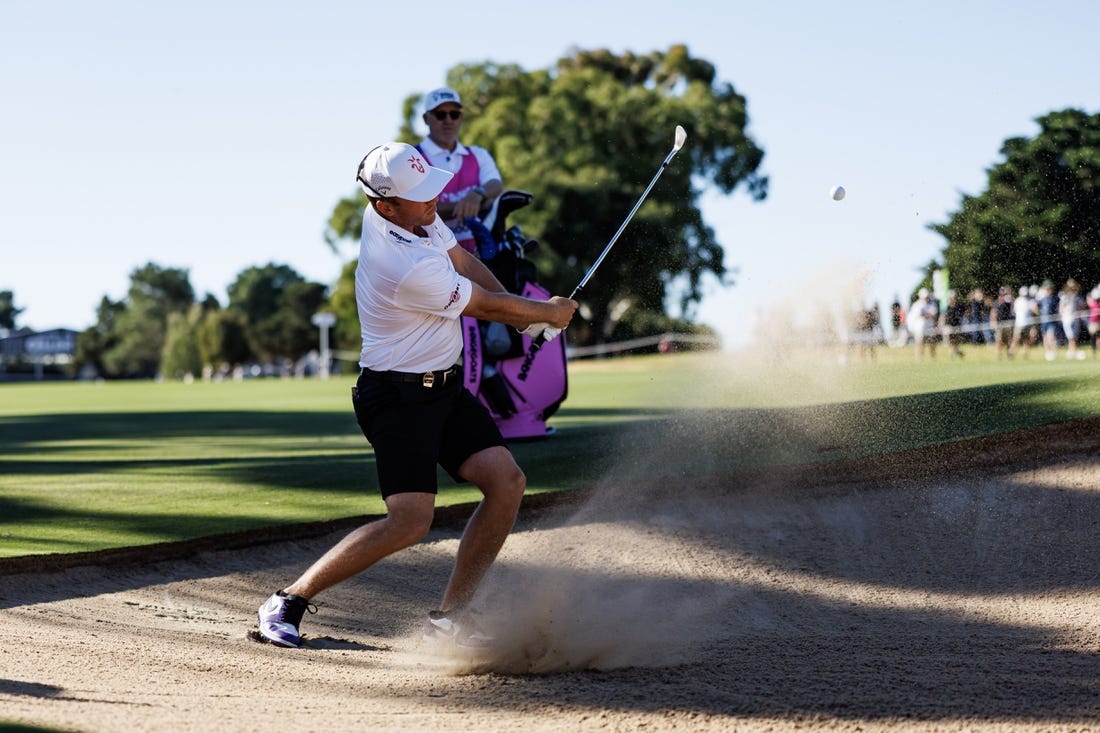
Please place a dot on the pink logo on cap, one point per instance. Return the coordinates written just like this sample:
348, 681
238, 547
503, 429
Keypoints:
382, 175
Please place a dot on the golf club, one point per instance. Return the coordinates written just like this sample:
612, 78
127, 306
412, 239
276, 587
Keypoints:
678, 142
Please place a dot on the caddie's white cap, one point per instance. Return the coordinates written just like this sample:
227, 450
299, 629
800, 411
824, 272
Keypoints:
398, 169
436, 97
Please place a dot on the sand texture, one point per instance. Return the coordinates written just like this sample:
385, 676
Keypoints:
951, 589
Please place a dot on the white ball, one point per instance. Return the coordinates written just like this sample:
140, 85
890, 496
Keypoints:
837, 192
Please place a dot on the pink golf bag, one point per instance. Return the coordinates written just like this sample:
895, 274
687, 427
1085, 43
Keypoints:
522, 387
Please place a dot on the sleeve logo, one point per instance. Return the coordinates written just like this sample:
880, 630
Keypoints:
454, 297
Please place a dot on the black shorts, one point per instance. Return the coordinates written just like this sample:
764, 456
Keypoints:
413, 428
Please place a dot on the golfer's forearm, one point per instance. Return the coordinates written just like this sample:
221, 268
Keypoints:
481, 275
513, 310
471, 267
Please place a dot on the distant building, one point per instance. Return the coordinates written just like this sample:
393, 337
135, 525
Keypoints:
24, 353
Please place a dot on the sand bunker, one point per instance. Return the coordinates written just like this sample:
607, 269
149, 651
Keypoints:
952, 589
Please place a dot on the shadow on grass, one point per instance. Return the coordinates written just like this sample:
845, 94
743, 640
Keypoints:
694, 442
170, 526
592, 446
322, 471
24, 432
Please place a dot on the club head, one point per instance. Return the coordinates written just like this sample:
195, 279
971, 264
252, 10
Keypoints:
681, 136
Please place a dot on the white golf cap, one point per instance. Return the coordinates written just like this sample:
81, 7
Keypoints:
436, 97
398, 169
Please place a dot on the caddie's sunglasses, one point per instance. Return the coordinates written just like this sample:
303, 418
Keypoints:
442, 114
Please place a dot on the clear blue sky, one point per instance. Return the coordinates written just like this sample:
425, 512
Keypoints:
213, 136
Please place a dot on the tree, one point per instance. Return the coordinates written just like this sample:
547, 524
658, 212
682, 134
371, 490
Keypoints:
181, 351
1039, 216
195, 343
586, 137
277, 304
8, 311
221, 339
136, 332
92, 343
346, 335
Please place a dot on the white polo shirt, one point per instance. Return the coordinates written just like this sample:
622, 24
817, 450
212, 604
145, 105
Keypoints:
409, 297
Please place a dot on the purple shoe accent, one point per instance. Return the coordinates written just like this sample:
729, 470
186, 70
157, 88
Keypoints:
280, 617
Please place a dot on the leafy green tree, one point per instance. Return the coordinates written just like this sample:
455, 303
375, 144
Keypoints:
221, 339
138, 338
341, 303
92, 343
191, 345
167, 289
137, 332
1039, 216
586, 137
181, 350
277, 304
8, 311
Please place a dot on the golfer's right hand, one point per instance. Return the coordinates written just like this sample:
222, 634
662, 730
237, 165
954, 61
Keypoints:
563, 311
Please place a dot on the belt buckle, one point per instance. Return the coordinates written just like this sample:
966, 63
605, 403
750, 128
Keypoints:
428, 379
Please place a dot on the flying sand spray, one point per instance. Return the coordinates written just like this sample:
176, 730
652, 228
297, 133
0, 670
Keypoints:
544, 331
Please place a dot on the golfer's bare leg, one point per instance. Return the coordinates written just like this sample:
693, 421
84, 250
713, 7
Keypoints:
408, 519
496, 474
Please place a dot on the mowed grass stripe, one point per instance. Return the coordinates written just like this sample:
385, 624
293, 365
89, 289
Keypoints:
96, 466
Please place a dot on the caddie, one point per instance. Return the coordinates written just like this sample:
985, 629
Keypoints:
476, 181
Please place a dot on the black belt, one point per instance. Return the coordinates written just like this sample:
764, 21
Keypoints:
424, 379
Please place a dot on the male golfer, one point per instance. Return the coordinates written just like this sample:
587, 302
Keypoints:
411, 285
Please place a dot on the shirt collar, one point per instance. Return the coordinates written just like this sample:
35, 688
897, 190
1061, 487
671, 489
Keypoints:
433, 150
389, 231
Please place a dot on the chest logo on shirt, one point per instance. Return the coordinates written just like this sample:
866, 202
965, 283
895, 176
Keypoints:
454, 298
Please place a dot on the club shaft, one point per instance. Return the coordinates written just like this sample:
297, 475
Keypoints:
541, 338
596, 264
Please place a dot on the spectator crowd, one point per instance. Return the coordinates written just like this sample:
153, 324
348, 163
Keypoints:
1014, 322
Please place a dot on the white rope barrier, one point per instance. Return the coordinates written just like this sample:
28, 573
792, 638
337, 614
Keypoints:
579, 352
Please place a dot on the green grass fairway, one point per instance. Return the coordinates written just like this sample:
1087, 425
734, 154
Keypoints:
93, 466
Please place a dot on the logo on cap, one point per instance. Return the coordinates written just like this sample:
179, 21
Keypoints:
440, 96
395, 170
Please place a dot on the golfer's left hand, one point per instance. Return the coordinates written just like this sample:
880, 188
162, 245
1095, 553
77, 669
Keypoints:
548, 332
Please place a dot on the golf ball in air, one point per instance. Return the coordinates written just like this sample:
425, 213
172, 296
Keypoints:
837, 192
